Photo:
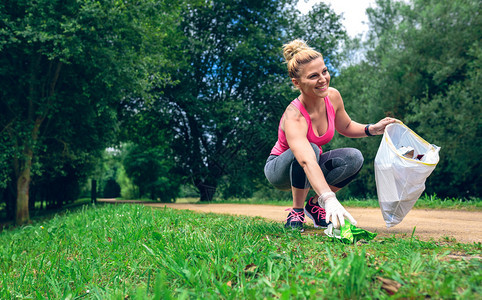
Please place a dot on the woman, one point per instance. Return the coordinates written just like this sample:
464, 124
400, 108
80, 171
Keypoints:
297, 161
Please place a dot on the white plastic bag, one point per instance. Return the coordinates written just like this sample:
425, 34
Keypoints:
400, 176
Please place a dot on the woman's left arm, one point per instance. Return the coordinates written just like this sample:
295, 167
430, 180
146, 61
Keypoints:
347, 127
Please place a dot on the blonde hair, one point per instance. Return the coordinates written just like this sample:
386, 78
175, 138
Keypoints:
296, 54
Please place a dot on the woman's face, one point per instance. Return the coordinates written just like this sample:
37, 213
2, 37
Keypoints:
314, 79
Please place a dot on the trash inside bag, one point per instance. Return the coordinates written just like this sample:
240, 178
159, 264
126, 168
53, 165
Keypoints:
403, 162
349, 233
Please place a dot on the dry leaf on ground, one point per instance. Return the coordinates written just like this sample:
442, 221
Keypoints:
389, 285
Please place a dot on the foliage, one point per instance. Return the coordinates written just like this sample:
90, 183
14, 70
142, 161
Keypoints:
128, 189
422, 66
94, 253
112, 189
152, 172
64, 67
233, 87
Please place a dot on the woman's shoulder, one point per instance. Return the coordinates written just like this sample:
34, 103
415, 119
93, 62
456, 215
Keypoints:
293, 110
292, 115
335, 98
333, 94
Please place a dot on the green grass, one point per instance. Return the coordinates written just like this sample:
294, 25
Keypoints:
135, 252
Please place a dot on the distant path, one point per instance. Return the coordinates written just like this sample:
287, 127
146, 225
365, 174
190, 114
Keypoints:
463, 226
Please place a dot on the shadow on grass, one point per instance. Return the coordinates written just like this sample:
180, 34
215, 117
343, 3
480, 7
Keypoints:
40, 214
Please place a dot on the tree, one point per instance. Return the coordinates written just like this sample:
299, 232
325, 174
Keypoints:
233, 87
64, 66
445, 63
422, 66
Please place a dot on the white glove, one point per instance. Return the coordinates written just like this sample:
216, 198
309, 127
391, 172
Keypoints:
334, 210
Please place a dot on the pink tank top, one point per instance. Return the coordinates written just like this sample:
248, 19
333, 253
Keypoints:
282, 144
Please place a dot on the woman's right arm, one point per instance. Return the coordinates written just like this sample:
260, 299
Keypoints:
296, 128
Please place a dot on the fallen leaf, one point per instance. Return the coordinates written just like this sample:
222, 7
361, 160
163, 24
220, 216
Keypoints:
250, 268
390, 286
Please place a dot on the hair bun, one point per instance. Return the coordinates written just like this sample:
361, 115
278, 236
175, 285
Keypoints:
298, 53
293, 48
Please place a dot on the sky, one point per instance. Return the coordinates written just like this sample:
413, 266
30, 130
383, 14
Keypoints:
353, 12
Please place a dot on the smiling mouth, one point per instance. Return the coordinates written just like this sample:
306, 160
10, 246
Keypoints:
322, 88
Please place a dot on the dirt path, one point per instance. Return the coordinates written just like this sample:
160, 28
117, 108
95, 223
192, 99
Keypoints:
463, 226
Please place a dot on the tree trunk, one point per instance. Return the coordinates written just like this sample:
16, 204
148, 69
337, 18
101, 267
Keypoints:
206, 191
23, 183
24, 166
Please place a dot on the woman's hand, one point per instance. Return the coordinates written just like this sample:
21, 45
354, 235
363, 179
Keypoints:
379, 128
334, 210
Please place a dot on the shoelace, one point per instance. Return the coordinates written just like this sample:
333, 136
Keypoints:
319, 211
295, 216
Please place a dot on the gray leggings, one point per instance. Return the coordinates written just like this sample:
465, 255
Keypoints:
340, 166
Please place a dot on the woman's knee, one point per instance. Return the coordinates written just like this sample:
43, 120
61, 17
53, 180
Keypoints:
353, 164
276, 171
355, 157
